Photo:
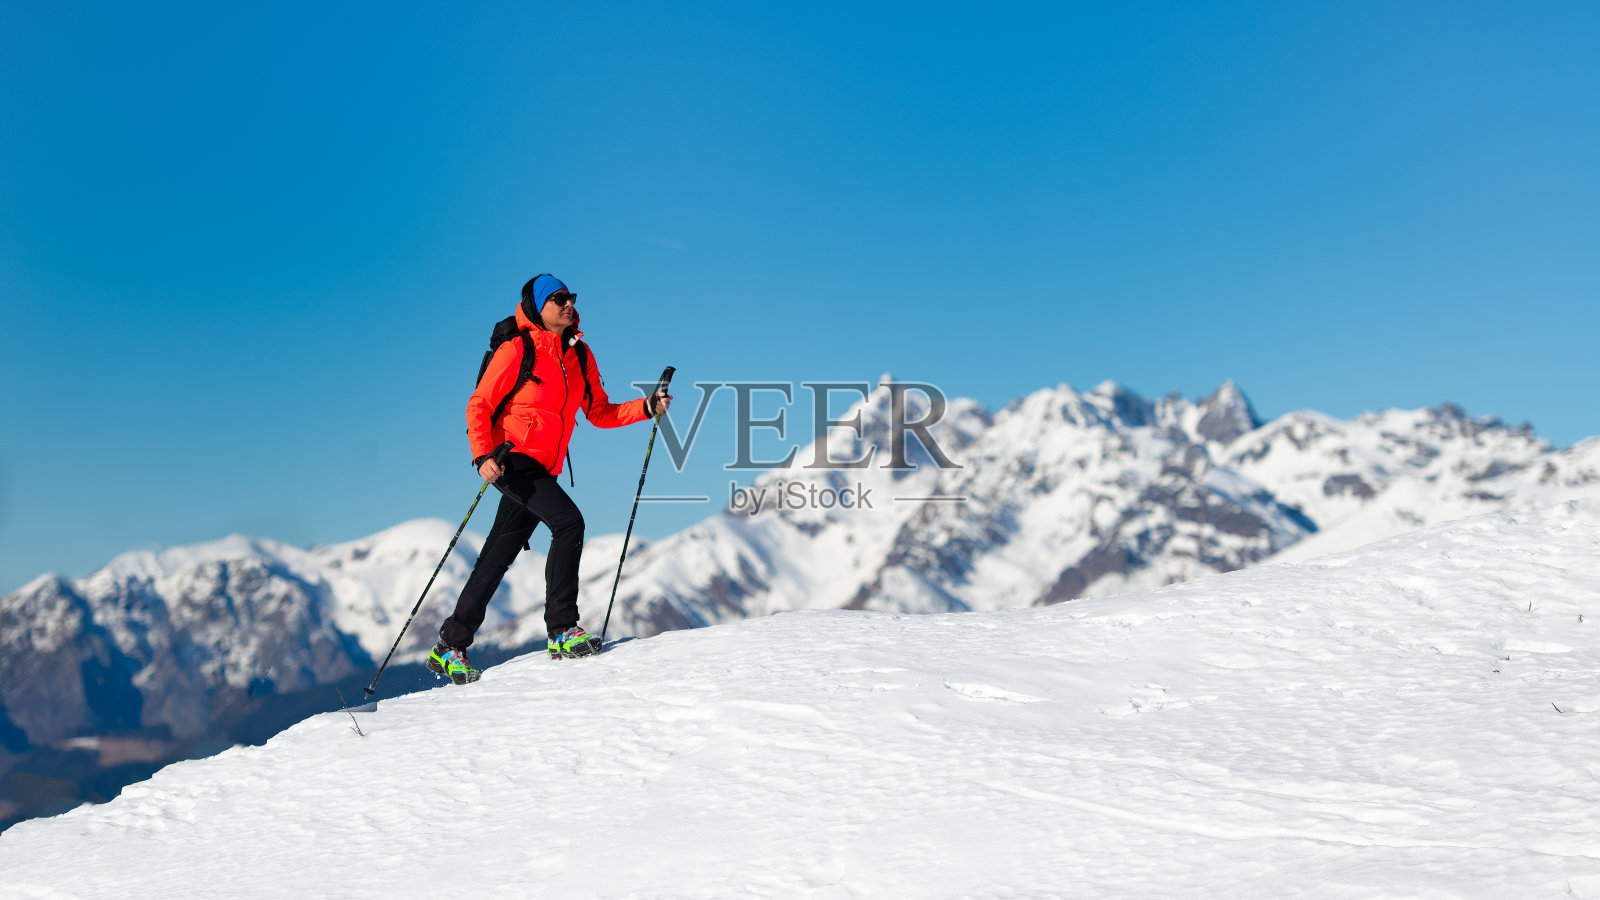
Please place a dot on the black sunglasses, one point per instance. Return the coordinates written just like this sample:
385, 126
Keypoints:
562, 299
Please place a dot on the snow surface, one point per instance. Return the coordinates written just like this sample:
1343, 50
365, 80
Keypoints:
1414, 718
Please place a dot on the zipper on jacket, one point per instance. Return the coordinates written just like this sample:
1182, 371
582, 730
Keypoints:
566, 385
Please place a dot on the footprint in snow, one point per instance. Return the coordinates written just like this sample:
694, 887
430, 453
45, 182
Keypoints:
990, 692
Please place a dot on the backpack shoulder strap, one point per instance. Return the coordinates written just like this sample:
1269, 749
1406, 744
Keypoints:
524, 375
582, 350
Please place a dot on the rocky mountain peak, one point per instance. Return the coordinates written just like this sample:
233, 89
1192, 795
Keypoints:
1226, 415
1120, 406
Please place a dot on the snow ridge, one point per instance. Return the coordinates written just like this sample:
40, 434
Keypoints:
1411, 718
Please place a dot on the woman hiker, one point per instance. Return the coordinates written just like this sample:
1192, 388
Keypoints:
537, 418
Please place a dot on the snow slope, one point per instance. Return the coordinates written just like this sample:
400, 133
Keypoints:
1413, 718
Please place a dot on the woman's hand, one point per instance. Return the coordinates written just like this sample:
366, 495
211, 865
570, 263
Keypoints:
490, 470
663, 401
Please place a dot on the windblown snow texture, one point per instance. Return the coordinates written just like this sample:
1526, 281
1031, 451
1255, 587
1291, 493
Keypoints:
1416, 717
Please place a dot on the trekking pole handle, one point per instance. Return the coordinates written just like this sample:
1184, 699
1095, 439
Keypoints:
499, 457
666, 380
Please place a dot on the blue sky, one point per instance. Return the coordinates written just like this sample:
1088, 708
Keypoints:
249, 255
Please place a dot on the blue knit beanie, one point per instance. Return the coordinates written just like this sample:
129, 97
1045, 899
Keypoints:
536, 291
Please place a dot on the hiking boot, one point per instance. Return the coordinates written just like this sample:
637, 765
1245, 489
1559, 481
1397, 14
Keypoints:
573, 641
448, 662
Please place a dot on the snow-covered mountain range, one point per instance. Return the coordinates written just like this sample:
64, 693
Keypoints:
1065, 495
1061, 495
1409, 719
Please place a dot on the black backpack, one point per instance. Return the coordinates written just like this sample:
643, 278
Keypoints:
506, 330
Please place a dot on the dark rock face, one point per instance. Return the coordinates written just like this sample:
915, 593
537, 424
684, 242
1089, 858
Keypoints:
1110, 558
1217, 531
1226, 415
1336, 485
13, 740
49, 641
1129, 410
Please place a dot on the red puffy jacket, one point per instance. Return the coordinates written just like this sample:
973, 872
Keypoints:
539, 419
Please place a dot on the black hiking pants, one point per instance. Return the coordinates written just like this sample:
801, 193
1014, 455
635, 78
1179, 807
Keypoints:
530, 495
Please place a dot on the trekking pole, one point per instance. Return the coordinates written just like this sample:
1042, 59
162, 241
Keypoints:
500, 460
666, 380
